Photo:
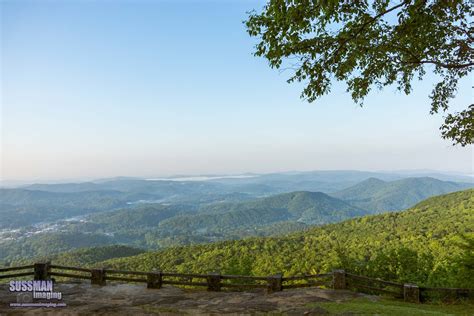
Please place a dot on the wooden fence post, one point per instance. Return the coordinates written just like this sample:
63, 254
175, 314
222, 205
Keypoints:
411, 293
41, 270
214, 282
98, 277
274, 283
154, 280
339, 279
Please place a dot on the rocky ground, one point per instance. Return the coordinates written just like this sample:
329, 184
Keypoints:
126, 299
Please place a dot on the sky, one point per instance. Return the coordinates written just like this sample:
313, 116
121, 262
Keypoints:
93, 89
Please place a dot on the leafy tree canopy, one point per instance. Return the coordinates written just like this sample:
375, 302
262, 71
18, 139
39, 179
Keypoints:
373, 44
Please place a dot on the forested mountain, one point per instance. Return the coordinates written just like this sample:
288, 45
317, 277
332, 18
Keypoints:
376, 195
422, 245
155, 226
304, 207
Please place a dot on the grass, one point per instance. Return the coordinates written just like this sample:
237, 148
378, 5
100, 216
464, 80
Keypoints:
363, 306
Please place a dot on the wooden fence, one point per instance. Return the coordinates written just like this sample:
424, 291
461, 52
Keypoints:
338, 279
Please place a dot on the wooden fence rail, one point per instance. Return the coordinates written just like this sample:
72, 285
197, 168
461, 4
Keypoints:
362, 283
338, 279
28, 267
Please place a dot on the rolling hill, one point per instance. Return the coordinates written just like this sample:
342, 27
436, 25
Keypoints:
377, 195
305, 207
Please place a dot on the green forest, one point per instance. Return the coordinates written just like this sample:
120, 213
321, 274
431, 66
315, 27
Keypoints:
41, 220
430, 244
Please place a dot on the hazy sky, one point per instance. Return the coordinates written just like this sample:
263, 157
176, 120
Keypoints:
152, 88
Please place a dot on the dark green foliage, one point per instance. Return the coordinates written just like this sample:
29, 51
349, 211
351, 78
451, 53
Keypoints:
371, 44
459, 126
418, 245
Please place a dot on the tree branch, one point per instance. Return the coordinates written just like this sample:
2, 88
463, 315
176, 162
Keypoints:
375, 18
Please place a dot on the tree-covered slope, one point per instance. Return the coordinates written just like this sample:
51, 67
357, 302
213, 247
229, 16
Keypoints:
377, 196
305, 207
419, 245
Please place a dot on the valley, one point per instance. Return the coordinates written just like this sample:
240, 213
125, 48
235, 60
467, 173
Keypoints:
139, 216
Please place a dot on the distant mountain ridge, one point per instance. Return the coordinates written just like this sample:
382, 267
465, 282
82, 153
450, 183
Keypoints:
376, 195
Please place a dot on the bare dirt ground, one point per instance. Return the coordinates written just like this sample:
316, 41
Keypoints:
126, 299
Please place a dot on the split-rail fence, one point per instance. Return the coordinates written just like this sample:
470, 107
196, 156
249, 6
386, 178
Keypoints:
337, 279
